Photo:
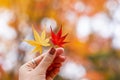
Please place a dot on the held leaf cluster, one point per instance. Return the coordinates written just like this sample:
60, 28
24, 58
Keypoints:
41, 40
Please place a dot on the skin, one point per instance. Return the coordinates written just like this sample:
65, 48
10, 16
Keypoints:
46, 68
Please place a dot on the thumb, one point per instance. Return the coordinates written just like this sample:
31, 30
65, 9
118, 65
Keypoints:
46, 61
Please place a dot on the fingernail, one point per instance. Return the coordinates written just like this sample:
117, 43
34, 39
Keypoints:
52, 51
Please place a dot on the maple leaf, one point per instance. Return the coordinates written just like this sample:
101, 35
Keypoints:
58, 39
38, 41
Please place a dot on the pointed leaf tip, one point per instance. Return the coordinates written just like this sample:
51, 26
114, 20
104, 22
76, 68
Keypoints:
59, 34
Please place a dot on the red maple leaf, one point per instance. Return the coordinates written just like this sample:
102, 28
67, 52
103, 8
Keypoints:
58, 39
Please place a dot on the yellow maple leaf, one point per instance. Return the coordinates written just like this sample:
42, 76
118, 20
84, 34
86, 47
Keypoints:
38, 41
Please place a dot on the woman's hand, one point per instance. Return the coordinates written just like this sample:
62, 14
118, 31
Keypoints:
44, 67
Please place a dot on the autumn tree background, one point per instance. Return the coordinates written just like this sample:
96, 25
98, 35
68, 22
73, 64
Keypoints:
93, 52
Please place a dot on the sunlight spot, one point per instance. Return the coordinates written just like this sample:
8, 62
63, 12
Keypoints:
72, 71
83, 28
47, 22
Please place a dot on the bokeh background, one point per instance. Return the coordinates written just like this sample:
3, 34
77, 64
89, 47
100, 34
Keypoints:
93, 51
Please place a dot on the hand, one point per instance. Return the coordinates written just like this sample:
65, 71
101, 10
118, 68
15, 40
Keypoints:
44, 67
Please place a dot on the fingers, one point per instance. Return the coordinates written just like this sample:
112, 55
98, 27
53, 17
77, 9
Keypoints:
59, 59
39, 58
32, 65
57, 62
53, 73
46, 61
49, 59
59, 51
54, 69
